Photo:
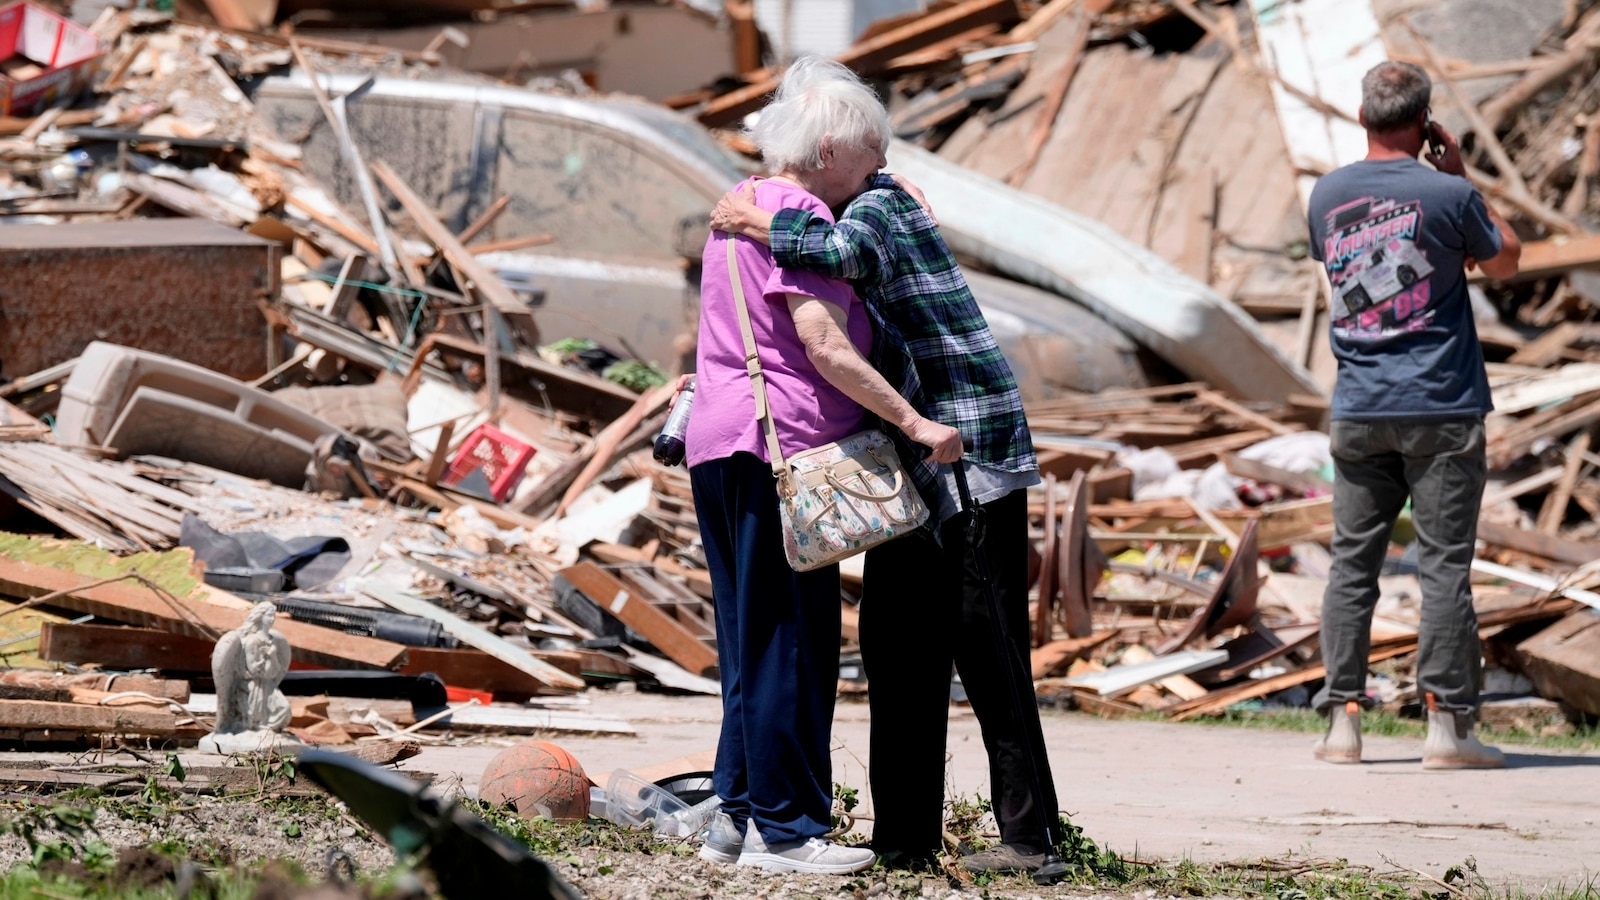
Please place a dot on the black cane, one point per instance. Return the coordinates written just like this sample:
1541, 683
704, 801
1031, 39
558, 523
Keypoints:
1053, 869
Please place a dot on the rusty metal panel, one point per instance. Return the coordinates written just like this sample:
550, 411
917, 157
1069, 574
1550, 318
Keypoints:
186, 288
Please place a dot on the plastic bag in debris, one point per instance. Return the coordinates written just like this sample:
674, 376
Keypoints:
1304, 452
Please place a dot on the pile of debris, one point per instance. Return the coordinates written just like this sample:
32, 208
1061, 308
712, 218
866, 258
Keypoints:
437, 469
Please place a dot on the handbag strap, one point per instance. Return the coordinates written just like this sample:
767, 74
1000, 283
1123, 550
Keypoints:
752, 367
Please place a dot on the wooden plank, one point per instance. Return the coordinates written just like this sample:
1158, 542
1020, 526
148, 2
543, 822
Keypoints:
81, 718
1554, 256
472, 635
1564, 661
1554, 511
1055, 656
474, 669
96, 682
179, 198
602, 453
1547, 348
1045, 121
1556, 549
1516, 489
872, 55
1213, 398
479, 278
138, 605
666, 633
485, 220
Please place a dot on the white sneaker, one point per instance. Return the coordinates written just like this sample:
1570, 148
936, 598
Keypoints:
723, 841
815, 856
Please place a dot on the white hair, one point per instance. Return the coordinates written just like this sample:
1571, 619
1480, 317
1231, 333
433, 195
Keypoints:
818, 98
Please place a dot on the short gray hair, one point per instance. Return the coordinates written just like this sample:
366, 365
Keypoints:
1394, 95
817, 98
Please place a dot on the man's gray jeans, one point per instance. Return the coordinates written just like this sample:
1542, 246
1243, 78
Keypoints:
1439, 464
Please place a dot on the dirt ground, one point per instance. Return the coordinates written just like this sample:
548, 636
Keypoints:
1210, 794
1147, 789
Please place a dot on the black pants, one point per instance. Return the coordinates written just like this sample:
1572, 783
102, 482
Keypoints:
924, 608
778, 650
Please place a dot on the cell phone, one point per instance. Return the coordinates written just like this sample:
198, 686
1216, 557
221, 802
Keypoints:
1431, 133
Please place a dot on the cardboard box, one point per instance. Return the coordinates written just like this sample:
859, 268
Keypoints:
44, 58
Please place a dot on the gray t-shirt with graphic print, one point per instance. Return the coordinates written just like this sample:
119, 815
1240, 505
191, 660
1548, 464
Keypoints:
1394, 236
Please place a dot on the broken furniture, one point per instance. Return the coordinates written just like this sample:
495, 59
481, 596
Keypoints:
145, 404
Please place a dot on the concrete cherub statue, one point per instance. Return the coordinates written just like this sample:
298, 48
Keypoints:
247, 665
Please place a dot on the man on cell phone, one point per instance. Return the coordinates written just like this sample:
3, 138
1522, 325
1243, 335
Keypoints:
1397, 238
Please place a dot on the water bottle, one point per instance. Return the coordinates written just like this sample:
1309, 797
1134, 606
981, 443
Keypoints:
669, 443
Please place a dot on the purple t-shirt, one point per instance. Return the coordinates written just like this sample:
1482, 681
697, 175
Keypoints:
807, 409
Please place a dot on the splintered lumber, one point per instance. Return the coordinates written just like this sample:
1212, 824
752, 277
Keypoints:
872, 55
602, 453
61, 720
1555, 505
1556, 549
1044, 125
1538, 582
480, 671
671, 637
137, 604
480, 279
95, 682
1057, 655
118, 647
472, 635
1541, 259
1577, 52
1564, 661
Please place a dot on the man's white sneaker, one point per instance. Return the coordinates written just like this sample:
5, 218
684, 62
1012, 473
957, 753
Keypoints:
815, 856
723, 840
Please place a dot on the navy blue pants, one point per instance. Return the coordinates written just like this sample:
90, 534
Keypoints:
778, 649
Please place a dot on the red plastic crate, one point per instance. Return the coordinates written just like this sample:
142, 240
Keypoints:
502, 458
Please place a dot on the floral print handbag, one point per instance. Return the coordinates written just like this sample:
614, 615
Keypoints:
838, 499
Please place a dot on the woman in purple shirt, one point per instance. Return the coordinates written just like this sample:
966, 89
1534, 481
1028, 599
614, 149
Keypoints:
778, 630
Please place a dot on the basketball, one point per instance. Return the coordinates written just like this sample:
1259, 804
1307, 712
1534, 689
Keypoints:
537, 778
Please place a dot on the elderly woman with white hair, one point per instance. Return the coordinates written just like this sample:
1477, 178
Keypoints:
823, 136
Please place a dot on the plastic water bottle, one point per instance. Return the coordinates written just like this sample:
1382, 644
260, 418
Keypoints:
669, 443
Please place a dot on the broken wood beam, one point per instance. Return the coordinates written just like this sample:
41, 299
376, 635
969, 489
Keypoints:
602, 452
870, 56
1564, 551
139, 605
119, 647
1554, 256
73, 719
675, 641
479, 279
472, 635
1554, 511
1578, 50
1054, 98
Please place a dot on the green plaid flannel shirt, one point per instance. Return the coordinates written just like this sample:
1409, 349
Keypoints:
929, 339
